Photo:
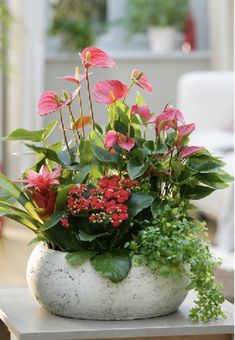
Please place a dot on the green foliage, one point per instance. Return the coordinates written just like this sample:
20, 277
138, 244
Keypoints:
115, 265
173, 243
79, 257
145, 13
78, 21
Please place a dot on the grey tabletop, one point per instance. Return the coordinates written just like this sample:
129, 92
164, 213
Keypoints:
27, 320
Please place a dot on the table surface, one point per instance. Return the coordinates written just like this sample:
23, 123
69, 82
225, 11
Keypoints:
27, 320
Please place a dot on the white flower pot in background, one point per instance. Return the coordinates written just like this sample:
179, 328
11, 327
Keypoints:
81, 292
162, 39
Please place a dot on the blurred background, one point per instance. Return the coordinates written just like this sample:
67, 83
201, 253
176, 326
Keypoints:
185, 47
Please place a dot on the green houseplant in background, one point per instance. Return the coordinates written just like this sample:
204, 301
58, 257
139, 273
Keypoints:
162, 19
112, 200
77, 22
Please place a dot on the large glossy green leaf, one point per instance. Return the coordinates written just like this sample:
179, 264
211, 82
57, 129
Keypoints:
15, 192
9, 210
61, 199
31, 136
79, 257
204, 163
52, 220
157, 206
195, 193
49, 154
138, 202
104, 155
84, 236
136, 168
213, 180
114, 265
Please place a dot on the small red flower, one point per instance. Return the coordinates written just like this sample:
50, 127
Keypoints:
143, 111
95, 57
109, 91
50, 102
189, 150
141, 80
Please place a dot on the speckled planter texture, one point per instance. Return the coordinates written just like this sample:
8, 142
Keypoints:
81, 292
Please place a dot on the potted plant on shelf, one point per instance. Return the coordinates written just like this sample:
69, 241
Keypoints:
161, 19
111, 209
78, 22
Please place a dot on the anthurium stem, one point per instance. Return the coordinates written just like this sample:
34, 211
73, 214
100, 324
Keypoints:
81, 112
90, 100
75, 131
129, 88
64, 134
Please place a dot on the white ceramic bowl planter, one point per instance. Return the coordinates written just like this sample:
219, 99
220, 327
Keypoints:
81, 292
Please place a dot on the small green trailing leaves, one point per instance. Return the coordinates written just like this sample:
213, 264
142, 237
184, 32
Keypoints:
173, 241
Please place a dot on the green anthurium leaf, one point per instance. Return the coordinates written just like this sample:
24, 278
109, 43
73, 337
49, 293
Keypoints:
136, 168
204, 163
226, 177
96, 138
49, 154
114, 265
22, 134
161, 149
15, 192
104, 155
149, 145
84, 236
48, 130
64, 156
79, 257
82, 174
85, 152
52, 220
156, 206
213, 180
61, 199
139, 99
99, 128
57, 147
37, 239
195, 193
138, 202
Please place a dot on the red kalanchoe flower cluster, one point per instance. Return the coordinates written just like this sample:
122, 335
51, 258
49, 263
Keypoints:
64, 221
104, 204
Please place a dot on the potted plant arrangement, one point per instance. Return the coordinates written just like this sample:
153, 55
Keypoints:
161, 19
111, 209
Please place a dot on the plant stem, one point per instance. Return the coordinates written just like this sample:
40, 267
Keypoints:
90, 100
75, 131
129, 88
64, 134
81, 112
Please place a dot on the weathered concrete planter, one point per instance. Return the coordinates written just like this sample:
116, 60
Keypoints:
81, 292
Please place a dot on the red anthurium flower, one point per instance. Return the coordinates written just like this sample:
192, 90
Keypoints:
74, 79
113, 138
94, 57
143, 111
189, 150
109, 91
50, 102
141, 80
42, 180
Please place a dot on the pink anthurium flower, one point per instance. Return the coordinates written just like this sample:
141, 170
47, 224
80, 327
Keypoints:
50, 102
113, 138
169, 118
142, 110
109, 91
189, 150
184, 131
77, 79
141, 80
95, 57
